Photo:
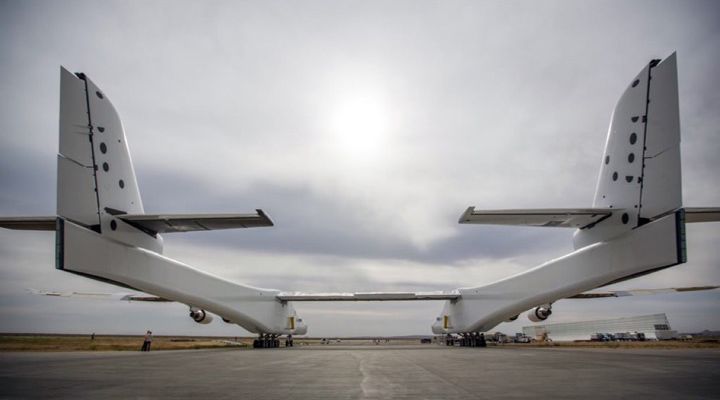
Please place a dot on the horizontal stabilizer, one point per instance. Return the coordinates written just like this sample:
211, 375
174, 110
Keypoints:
102, 296
639, 292
552, 217
702, 214
168, 223
28, 223
368, 296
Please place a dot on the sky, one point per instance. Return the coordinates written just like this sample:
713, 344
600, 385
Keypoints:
364, 130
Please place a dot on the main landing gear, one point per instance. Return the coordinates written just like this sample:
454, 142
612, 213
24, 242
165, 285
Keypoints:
471, 339
270, 341
266, 341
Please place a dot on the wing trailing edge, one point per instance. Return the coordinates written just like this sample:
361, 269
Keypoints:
702, 214
543, 217
170, 223
102, 296
639, 292
154, 223
29, 223
368, 296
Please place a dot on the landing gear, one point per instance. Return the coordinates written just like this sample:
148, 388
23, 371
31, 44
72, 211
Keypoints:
467, 339
266, 341
289, 341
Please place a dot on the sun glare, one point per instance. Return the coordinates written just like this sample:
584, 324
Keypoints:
359, 127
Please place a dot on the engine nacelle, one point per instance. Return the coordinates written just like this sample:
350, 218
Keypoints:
538, 314
201, 316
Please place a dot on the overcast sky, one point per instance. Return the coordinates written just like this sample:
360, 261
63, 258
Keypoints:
364, 129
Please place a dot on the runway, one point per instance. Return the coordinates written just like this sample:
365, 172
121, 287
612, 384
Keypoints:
365, 372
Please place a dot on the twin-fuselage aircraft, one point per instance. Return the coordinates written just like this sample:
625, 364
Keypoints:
635, 226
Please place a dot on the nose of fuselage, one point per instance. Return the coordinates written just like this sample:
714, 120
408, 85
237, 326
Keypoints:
300, 328
438, 327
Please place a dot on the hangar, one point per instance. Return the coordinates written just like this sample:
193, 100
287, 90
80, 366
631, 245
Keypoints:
655, 327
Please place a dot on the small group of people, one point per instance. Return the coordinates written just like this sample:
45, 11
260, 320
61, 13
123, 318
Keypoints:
147, 341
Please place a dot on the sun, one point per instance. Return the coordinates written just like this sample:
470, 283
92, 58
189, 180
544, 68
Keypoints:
359, 127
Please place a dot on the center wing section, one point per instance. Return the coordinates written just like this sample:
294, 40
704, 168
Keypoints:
545, 217
368, 296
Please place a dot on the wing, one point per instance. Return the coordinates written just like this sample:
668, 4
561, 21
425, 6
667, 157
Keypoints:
169, 223
103, 296
638, 292
702, 214
368, 296
28, 223
546, 217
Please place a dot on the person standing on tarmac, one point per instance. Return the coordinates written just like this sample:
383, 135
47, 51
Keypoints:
147, 342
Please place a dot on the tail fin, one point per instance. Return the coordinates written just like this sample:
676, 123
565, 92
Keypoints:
96, 179
640, 170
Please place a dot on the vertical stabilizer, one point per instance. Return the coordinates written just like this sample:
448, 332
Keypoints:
640, 169
96, 179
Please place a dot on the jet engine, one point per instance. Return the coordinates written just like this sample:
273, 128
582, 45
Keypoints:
540, 313
200, 316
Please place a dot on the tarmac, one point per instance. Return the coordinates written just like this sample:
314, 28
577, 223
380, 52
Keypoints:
366, 372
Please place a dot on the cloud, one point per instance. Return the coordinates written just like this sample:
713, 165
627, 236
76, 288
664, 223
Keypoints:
244, 105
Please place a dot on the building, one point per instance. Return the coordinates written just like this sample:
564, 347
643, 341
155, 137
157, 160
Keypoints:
654, 327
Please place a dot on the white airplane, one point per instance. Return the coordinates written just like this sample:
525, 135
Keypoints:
636, 224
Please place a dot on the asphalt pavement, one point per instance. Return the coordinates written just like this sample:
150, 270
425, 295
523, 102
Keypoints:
366, 372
